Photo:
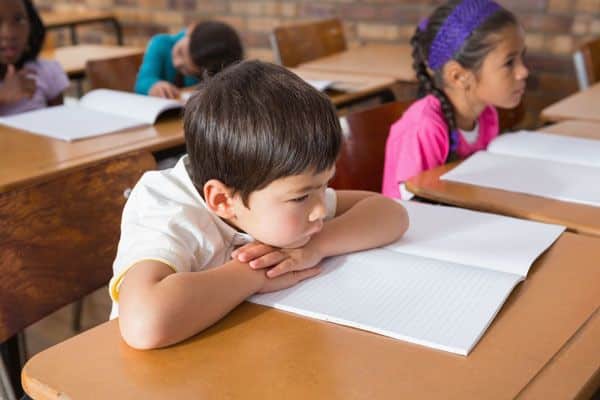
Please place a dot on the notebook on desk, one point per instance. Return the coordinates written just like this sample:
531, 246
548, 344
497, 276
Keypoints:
559, 167
440, 286
99, 112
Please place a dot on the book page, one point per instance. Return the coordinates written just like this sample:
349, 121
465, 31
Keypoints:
546, 146
432, 303
146, 109
474, 238
551, 179
69, 122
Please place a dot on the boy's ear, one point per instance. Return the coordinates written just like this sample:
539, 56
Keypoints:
219, 198
456, 76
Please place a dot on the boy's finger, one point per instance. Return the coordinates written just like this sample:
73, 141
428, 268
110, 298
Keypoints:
307, 273
268, 260
282, 268
254, 252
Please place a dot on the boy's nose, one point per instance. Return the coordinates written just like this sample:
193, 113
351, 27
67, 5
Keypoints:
319, 211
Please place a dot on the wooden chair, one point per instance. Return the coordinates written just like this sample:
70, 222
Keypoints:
117, 73
57, 244
298, 43
360, 164
587, 64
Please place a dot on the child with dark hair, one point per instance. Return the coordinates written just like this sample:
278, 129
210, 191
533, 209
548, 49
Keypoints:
247, 211
26, 83
172, 62
468, 57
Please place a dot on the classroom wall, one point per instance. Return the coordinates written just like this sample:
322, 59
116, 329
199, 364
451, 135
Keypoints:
555, 28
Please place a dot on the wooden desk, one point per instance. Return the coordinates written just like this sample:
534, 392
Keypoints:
71, 19
262, 353
74, 58
392, 61
348, 87
584, 105
576, 217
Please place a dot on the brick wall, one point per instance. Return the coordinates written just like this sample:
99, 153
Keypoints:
555, 28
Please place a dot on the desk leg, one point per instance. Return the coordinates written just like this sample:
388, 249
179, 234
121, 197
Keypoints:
73, 33
118, 31
10, 368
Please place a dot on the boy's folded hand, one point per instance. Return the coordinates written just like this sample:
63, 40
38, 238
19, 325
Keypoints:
287, 280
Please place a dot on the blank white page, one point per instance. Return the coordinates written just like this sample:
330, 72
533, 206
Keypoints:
143, 108
474, 238
433, 303
69, 122
551, 179
547, 146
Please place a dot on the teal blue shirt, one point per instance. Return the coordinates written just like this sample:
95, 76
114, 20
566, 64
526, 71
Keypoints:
158, 64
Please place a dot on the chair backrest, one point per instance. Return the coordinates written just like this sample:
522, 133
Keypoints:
360, 164
59, 238
587, 63
298, 43
117, 73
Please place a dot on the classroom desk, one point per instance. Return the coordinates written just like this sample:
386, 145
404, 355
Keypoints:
576, 217
349, 87
393, 61
584, 105
73, 58
74, 18
262, 353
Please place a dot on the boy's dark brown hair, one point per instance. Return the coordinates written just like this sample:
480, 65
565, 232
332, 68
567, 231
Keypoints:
214, 46
255, 123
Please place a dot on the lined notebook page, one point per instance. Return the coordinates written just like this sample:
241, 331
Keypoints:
424, 301
547, 146
551, 179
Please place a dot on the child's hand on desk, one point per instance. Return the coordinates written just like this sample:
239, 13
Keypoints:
279, 261
17, 85
164, 89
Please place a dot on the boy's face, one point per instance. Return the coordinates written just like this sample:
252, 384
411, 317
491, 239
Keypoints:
286, 213
182, 59
14, 31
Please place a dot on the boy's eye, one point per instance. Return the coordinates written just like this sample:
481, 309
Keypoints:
300, 199
510, 62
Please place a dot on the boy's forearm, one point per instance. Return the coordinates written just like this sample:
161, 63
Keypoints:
183, 304
371, 222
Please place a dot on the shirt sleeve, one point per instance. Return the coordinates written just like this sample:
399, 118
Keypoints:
152, 68
330, 202
54, 80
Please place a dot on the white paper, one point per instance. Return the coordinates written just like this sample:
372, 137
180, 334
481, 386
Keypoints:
550, 179
546, 146
69, 122
474, 238
131, 105
99, 112
423, 301
319, 84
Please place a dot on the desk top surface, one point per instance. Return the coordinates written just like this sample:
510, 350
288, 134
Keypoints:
73, 58
393, 61
261, 353
584, 105
29, 158
576, 217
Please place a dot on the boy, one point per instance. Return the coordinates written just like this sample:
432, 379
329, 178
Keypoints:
262, 145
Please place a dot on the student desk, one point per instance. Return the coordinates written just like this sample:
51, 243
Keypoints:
545, 330
576, 217
393, 61
72, 19
349, 87
584, 105
73, 58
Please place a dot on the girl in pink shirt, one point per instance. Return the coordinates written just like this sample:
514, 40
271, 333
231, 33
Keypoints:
468, 57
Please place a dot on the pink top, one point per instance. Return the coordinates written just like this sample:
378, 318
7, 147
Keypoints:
419, 141
51, 81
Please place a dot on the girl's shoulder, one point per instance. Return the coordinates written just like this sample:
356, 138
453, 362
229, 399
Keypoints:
423, 117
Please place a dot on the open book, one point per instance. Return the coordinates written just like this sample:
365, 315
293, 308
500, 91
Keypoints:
440, 285
559, 167
99, 112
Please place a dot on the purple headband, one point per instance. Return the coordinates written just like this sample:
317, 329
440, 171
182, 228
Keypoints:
463, 20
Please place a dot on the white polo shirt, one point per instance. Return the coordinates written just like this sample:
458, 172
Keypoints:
166, 219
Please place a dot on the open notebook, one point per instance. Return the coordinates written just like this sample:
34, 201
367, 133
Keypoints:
542, 164
440, 286
99, 112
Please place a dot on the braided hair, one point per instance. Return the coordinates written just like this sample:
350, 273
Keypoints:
470, 56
